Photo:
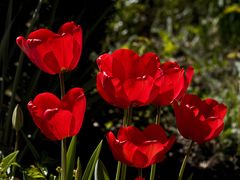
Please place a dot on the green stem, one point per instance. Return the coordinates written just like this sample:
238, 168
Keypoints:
153, 171
16, 141
127, 116
157, 121
64, 141
158, 115
118, 170
124, 172
15, 149
185, 161
63, 159
122, 168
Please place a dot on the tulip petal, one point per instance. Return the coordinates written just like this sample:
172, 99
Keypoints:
42, 34
218, 110
39, 121
191, 100
76, 32
57, 45
150, 150
116, 147
133, 155
167, 146
68, 27
75, 101
184, 119
29, 49
111, 90
104, 63
170, 84
150, 63
155, 132
216, 126
139, 91
132, 134
46, 101
128, 61
59, 123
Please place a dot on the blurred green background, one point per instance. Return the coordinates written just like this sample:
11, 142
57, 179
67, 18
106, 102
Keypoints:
203, 34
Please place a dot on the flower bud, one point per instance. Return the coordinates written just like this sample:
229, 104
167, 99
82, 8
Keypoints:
17, 118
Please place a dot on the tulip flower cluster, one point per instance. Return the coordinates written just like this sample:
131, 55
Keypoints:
125, 80
55, 53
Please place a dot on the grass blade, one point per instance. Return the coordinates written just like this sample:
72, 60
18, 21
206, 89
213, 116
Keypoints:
87, 175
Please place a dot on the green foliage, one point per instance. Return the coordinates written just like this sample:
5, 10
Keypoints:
71, 157
34, 172
203, 34
196, 33
6, 163
100, 172
78, 171
87, 175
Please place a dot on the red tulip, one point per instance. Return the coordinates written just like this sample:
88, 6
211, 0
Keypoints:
199, 120
52, 52
126, 79
140, 148
57, 118
173, 83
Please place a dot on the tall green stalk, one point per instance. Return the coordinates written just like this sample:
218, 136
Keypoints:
185, 161
157, 121
17, 77
63, 141
118, 170
122, 168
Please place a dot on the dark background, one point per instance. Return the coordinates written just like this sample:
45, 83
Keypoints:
204, 34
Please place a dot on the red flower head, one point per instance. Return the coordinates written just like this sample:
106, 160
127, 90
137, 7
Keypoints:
52, 52
126, 79
199, 120
56, 118
140, 149
173, 83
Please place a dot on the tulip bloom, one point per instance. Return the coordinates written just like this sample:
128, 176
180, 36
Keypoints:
199, 120
58, 119
126, 79
53, 52
173, 83
140, 148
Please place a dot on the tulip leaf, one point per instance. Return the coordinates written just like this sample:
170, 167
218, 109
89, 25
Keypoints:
71, 156
100, 172
8, 161
87, 175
